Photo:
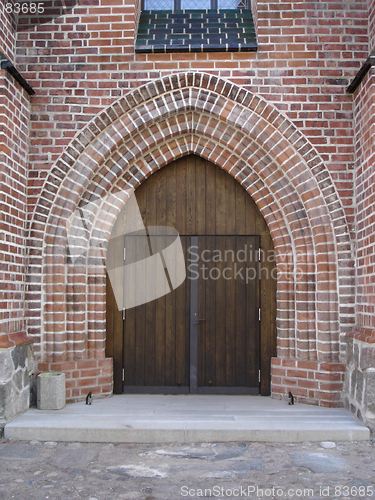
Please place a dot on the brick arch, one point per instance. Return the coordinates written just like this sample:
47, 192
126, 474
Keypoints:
239, 132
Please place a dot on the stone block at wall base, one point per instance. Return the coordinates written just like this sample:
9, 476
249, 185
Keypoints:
317, 383
51, 391
359, 387
16, 369
83, 376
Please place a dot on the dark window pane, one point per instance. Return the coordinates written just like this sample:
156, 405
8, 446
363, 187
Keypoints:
232, 4
195, 4
158, 5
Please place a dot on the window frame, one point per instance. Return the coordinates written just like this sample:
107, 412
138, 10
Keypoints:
177, 5
179, 31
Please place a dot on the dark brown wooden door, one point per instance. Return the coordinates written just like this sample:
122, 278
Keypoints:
151, 346
224, 311
156, 333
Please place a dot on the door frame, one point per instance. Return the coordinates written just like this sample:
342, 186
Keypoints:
243, 212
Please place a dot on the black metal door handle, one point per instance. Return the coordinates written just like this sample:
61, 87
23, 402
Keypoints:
198, 320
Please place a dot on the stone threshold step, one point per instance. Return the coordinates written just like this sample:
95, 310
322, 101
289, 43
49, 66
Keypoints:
187, 419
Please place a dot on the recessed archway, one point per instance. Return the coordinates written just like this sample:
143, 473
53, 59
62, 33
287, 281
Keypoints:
229, 281
193, 113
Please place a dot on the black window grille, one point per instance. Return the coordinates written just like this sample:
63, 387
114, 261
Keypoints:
194, 4
196, 26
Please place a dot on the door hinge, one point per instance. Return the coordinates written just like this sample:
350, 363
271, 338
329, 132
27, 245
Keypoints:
123, 374
259, 376
124, 253
123, 314
259, 314
259, 259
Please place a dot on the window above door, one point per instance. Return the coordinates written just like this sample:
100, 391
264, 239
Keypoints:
196, 26
193, 4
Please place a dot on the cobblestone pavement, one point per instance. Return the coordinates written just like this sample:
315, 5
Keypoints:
37, 471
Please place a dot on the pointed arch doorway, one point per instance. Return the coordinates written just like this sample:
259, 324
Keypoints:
216, 332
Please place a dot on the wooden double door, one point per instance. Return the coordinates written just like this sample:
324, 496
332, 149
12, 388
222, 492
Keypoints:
214, 332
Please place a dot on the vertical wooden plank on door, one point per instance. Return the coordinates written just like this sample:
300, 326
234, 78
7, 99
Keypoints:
220, 290
190, 196
147, 204
203, 327
230, 204
183, 291
228, 280
171, 194
130, 374
211, 198
149, 328
182, 332
252, 323
209, 366
200, 230
220, 201
200, 196
181, 198
141, 250
241, 306
240, 286
170, 298
160, 324
231, 330
191, 230
216, 270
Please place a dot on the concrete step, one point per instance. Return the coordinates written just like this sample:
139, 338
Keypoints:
143, 418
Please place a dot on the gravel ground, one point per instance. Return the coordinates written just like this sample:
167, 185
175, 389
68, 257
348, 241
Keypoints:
31, 470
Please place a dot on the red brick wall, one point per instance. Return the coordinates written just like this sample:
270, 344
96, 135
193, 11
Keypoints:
242, 134
310, 382
7, 34
371, 18
364, 105
308, 53
14, 119
82, 376
306, 58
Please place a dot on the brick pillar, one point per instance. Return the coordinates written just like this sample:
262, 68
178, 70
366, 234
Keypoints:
312, 382
82, 376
